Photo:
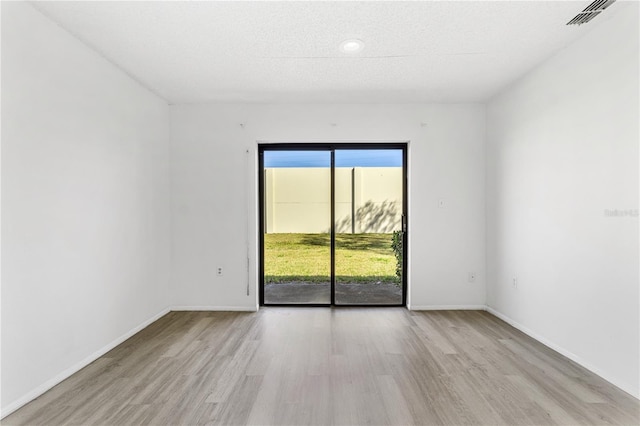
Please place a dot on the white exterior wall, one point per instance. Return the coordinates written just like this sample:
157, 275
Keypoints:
298, 200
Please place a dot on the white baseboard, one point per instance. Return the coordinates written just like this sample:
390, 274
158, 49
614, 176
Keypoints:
447, 308
216, 308
30, 396
573, 357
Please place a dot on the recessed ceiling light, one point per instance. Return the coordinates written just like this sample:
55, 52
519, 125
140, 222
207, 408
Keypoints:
351, 46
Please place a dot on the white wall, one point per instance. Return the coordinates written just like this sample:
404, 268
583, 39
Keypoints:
562, 147
85, 204
214, 196
298, 199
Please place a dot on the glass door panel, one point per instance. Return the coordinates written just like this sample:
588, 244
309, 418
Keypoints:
368, 206
297, 227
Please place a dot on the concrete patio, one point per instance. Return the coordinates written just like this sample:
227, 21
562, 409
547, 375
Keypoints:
320, 293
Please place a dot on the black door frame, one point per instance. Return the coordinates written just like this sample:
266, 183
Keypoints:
331, 147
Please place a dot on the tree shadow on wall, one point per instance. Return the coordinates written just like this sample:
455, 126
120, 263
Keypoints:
381, 218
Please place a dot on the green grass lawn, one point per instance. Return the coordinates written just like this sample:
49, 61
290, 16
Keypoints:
306, 257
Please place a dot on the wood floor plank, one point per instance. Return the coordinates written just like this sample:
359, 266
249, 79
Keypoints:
395, 405
341, 366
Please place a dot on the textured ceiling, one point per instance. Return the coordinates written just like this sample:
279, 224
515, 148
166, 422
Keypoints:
189, 52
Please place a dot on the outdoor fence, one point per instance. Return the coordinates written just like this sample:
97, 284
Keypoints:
367, 199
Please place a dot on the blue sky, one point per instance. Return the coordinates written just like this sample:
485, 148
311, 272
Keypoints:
344, 158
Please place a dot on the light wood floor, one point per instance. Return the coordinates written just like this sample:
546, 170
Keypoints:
295, 366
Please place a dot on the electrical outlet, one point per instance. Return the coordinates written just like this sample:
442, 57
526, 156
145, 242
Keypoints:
219, 271
514, 282
471, 277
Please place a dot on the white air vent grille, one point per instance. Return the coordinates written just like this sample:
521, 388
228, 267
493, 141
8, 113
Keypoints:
590, 12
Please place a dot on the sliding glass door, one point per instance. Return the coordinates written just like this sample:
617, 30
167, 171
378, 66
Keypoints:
296, 226
332, 224
369, 215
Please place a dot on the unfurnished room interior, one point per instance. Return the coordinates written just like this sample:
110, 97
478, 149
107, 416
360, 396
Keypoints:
327, 213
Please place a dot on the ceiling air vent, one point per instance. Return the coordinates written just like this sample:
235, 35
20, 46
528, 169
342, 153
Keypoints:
590, 12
